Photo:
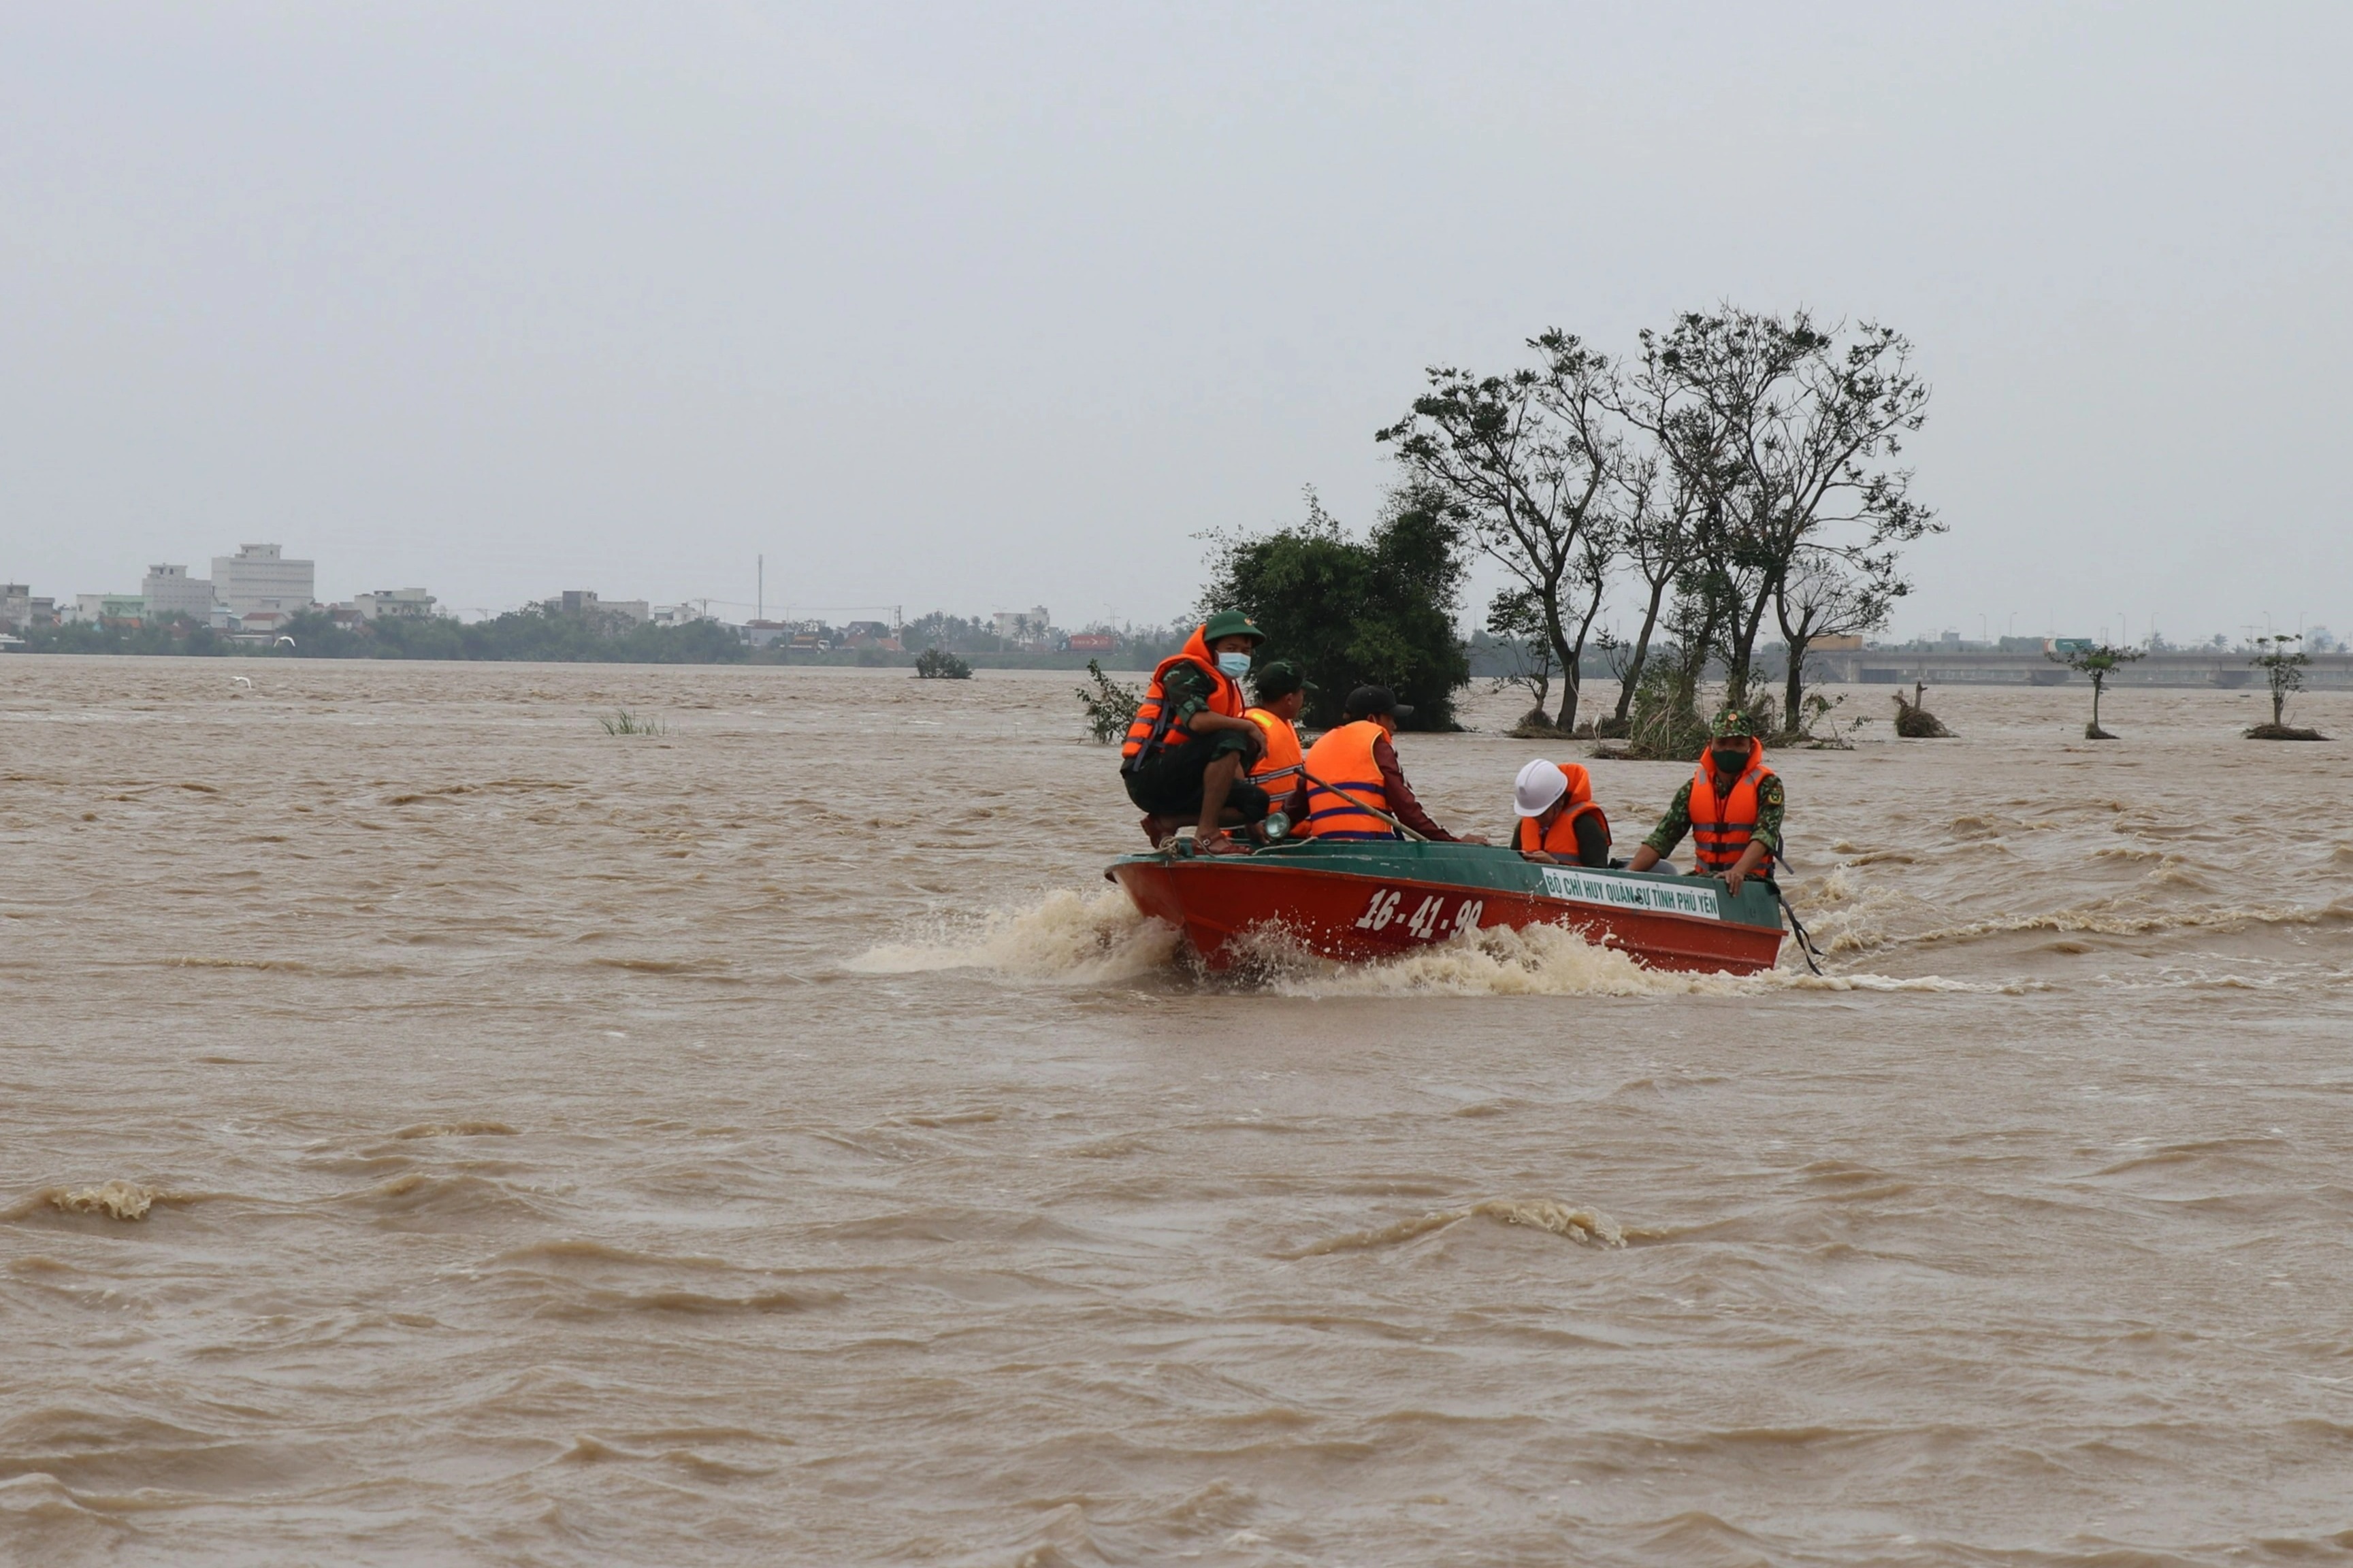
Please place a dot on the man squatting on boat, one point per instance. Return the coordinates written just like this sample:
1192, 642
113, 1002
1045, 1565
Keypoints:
1186, 751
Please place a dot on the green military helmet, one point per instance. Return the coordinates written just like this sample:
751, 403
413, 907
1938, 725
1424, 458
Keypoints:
1278, 679
1230, 624
1733, 724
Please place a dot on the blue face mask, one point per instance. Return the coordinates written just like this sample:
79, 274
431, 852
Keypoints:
1235, 665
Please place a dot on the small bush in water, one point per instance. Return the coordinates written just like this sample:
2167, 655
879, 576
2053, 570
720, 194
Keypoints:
939, 664
1111, 707
621, 722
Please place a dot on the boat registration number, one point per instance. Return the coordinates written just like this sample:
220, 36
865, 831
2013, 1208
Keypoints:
1580, 887
1426, 918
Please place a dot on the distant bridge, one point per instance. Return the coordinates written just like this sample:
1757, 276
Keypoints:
2211, 668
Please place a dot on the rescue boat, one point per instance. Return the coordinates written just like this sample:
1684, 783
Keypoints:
1359, 899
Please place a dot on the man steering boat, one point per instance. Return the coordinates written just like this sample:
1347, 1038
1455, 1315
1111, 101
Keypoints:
1732, 807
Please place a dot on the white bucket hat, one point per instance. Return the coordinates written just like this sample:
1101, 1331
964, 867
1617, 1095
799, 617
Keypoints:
1539, 784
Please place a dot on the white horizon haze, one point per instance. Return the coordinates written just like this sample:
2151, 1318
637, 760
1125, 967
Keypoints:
976, 309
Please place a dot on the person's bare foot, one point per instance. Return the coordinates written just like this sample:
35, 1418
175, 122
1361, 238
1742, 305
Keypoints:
1155, 830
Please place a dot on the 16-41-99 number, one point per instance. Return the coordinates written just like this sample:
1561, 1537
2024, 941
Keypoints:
1429, 921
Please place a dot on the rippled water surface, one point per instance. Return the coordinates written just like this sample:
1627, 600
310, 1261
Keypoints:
433, 1129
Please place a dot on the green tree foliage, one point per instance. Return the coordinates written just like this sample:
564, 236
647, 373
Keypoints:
2098, 662
938, 664
1527, 465
621, 722
1110, 707
957, 634
531, 634
1784, 431
1376, 611
1741, 463
1515, 619
1664, 722
2282, 668
174, 635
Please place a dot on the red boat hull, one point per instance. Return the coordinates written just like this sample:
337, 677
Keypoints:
1357, 915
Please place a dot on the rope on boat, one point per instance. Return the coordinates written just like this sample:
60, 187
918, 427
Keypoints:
1805, 942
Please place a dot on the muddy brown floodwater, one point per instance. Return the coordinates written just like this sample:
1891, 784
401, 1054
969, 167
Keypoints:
433, 1129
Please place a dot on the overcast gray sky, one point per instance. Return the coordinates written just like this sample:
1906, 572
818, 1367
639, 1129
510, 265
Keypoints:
983, 306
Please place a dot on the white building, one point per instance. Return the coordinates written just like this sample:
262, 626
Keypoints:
91, 608
258, 579
585, 602
169, 591
1022, 626
394, 604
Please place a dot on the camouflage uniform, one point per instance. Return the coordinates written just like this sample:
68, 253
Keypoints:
1187, 688
1770, 801
1677, 821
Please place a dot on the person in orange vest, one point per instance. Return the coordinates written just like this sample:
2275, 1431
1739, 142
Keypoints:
1282, 691
1187, 751
1355, 767
1559, 823
1732, 807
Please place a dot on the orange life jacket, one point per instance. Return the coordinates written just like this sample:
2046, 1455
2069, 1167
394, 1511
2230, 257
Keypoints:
1722, 827
1561, 837
1152, 731
1277, 769
1343, 779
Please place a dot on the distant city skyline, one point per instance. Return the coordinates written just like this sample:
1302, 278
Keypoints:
1989, 630
965, 307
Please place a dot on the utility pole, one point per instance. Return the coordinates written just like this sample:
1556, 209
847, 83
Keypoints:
760, 593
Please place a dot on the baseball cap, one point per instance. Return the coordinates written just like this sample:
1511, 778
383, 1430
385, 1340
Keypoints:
1280, 677
1372, 701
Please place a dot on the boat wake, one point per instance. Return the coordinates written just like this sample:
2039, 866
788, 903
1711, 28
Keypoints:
1544, 960
1078, 938
1101, 938
1849, 914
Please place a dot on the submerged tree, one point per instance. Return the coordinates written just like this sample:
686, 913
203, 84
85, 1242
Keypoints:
1741, 464
1789, 428
1349, 613
1913, 719
1823, 596
1524, 464
1666, 494
2282, 668
2099, 662
938, 664
1515, 620
1110, 707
